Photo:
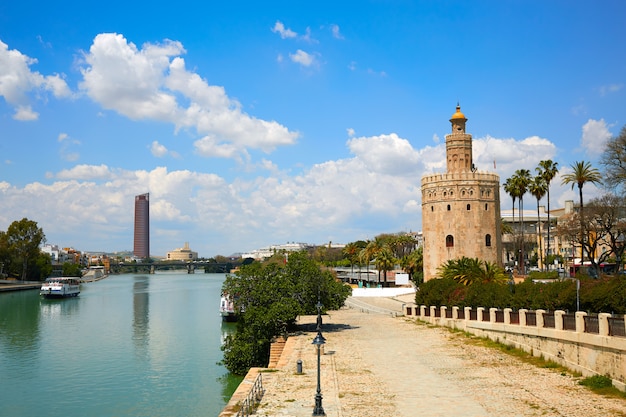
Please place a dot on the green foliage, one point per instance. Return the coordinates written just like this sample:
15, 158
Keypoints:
597, 382
607, 294
493, 294
556, 295
72, 270
19, 251
271, 296
468, 271
441, 292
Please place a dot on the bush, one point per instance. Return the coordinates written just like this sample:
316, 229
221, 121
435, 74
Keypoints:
441, 292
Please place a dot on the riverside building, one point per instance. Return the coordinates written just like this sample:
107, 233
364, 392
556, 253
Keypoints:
461, 207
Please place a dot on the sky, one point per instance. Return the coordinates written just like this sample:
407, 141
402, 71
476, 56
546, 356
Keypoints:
259, 123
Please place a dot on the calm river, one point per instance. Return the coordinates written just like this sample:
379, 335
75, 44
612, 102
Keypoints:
129, 345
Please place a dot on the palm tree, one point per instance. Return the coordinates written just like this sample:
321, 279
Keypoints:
468, 271
582, 172
521, 179
548, 170
510, 189
413, 264
538, 188
385, 261
351, 251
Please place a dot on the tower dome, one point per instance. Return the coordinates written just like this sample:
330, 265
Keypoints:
458, 115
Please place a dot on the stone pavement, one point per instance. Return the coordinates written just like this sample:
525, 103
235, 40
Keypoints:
376, 365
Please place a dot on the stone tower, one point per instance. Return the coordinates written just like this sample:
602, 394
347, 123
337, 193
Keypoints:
460, 208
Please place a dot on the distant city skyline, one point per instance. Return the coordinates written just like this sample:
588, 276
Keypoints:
257, 123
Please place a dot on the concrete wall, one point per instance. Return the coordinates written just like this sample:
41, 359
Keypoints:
577, 348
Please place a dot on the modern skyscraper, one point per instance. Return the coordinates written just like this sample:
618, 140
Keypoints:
141, 248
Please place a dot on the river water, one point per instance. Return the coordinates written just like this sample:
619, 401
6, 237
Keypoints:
129, 345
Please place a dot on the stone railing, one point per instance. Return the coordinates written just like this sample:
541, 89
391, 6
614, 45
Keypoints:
590, 344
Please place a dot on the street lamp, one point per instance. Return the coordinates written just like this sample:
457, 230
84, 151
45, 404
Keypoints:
318, 342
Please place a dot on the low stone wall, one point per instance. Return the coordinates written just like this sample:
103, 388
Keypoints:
588, 344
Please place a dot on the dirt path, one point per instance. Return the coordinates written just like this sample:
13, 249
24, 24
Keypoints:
377, 365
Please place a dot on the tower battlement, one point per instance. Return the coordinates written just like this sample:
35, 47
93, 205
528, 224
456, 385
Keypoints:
460, 176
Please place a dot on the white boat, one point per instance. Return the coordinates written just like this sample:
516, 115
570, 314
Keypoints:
227, 308
60, 287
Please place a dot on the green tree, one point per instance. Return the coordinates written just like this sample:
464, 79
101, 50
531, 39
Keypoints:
270, 296
548, 170
71, 269
24, 238
413, 264
582, 173
538, 188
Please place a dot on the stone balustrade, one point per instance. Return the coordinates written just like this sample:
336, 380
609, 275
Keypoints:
589, 344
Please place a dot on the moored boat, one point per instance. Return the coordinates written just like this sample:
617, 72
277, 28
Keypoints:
60, 287
227, 308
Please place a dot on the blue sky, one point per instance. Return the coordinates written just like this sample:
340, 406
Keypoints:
259, 123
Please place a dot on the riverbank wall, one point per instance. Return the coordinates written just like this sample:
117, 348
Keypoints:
591, 345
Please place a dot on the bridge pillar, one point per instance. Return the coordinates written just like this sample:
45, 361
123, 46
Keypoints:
152, 269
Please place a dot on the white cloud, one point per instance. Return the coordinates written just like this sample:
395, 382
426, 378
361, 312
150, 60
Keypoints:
284, 33
350, 131
25, 114
158, 150
68, 147
17, 81
611, 88
388, 154
85, 172
303, 58
335, 31
375, 190
145, 84
595, 135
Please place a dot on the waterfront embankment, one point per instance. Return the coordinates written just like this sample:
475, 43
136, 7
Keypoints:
374, 364
13, 285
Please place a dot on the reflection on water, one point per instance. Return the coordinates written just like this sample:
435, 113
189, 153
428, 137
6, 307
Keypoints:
129, 345
141, 313
19, 322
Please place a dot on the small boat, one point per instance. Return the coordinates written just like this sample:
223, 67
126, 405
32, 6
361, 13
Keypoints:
60, 287
227, 308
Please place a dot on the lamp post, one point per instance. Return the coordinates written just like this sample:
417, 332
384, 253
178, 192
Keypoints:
319, 342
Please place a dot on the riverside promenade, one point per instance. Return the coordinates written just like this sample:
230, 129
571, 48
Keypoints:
377, 363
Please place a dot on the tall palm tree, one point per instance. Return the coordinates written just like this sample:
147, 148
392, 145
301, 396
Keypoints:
538, 188
582, 172
521, 179
351, 251
385, 261
510, 189
548, 170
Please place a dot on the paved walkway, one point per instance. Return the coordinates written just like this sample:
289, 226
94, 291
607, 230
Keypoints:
377, 365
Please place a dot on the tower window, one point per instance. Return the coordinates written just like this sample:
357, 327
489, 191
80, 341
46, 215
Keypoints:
468, 207
487, 240
486, 206
432, 208
449, 241
448, 207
